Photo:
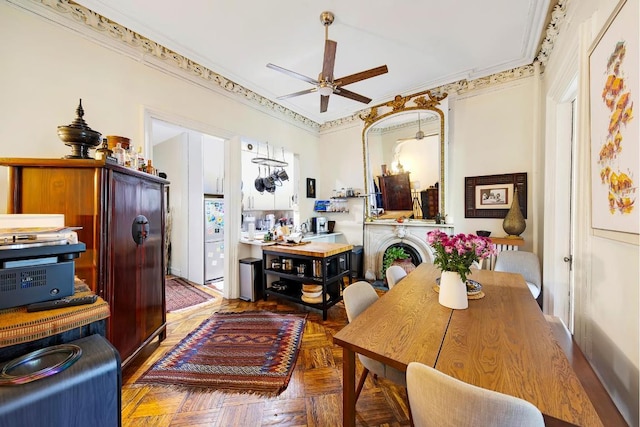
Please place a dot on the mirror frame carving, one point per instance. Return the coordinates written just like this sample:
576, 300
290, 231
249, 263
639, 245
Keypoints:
417, 102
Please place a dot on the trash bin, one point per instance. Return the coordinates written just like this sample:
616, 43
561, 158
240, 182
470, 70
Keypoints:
356, 262
251, 279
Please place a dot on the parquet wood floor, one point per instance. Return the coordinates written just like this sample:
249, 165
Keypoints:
313, 397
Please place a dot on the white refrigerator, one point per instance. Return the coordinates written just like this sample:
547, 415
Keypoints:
213, 238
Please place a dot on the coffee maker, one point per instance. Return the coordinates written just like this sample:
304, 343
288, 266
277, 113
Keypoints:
319, 225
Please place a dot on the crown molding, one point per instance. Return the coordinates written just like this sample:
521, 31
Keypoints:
558, 15
120, 38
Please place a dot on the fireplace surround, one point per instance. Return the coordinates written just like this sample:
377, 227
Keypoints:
380, 235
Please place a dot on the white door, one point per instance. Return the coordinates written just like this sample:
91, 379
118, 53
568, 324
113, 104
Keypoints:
171, 157
558, 275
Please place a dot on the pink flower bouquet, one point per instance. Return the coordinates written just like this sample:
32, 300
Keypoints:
457, 253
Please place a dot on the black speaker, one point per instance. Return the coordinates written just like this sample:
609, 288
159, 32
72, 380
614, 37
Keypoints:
87, 393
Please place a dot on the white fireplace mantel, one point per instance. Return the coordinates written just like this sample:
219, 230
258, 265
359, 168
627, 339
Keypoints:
380, 234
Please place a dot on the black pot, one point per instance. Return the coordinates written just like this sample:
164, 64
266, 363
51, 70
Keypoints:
258, 183
269, 183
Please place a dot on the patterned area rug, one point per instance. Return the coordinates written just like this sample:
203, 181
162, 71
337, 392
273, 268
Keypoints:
180, 294
247, 352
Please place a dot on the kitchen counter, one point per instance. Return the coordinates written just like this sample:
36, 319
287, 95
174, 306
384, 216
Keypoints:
256, 242
313, 236
314, 249
309, 237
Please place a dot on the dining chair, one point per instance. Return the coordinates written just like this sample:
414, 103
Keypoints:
357, 297
438, 400
522, 262
394, 274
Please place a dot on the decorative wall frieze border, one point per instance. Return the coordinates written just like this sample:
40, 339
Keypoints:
159, 56
208, 78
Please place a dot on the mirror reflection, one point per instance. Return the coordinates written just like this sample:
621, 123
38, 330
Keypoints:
404, 167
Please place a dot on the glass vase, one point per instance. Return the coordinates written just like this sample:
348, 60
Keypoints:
453, 292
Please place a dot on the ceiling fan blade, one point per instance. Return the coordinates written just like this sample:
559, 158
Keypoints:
302, 92
329, 60
347, 80
293, 74
324, 103
351, 95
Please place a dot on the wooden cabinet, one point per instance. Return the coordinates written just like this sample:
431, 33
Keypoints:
105, 200
396, 192
429, 201
213, 165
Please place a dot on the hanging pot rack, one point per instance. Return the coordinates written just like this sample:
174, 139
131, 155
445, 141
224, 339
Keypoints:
268, 161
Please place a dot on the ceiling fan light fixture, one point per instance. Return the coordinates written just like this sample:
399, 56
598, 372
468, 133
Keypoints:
325, 90
326, 83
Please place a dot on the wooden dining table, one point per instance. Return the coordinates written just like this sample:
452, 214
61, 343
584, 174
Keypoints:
502, 342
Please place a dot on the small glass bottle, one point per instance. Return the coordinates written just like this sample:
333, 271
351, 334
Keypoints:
141, 164
127, 157
103, 152
133, 156
118, 152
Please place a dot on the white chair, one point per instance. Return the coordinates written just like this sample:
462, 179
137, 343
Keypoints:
357, 297
394, 274
525, 263
438, 400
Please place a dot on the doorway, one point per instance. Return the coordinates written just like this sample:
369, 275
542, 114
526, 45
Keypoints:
194, 164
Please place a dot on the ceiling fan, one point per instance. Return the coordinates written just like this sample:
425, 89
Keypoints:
326, 84
418, 136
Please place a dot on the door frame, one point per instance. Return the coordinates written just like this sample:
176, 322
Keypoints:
232, 181
559, 228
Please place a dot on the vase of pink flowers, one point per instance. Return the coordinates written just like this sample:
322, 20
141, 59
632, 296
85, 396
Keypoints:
455, 255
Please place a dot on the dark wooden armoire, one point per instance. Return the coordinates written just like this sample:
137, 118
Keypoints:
396, 192
105, 200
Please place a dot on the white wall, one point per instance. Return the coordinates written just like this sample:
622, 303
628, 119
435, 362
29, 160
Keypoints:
341, 165
490, 134
606, 270
47, 68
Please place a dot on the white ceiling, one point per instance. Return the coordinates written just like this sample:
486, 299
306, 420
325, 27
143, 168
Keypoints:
424, 43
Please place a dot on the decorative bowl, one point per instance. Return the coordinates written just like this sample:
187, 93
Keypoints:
70, 134
483, 233
79, 136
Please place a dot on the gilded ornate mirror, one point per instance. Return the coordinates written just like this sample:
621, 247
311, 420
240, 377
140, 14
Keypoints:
404, 150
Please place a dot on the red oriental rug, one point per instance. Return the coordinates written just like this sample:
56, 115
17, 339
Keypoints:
180, 294
247, 352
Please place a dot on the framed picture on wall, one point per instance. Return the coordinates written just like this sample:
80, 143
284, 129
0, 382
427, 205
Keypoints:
311, 188
614, 89
490, 196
